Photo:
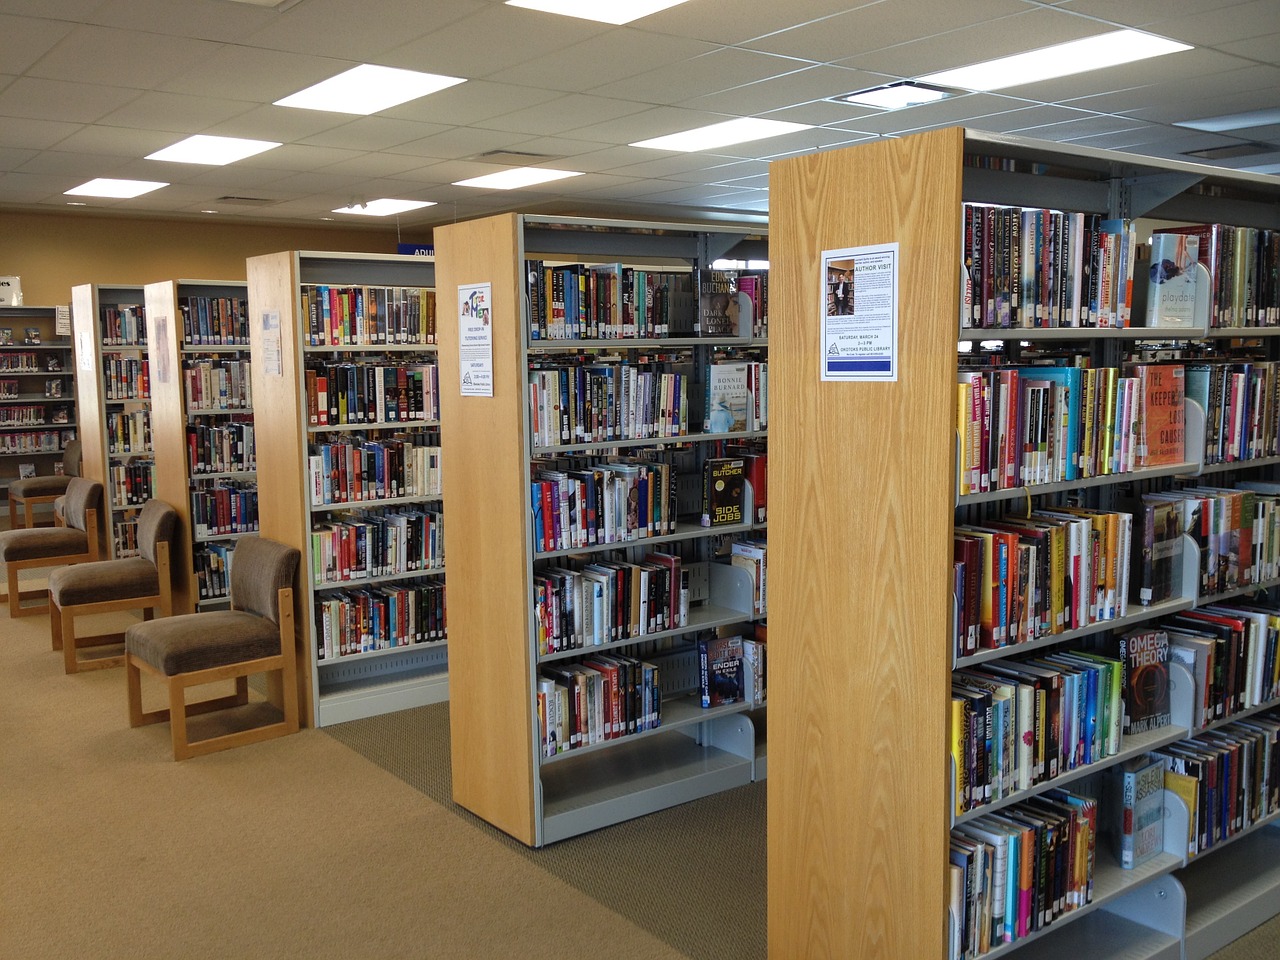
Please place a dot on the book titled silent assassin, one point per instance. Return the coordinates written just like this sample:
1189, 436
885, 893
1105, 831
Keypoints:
1138, 810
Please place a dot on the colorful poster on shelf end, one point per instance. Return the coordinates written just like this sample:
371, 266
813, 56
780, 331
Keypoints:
860, 314
475, 339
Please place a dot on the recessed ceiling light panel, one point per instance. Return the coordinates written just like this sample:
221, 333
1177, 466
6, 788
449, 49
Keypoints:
214, 151
1060, 60
516, 178
115, 189
741, 130
1234, 121
603, 11
895, 96
368, 89
384, 207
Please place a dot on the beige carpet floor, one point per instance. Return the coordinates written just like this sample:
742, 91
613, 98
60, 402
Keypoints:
338, 844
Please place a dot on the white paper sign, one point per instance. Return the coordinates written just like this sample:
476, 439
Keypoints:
84, 350
62, 320
475, 339
271, 348
860, 314
160, 358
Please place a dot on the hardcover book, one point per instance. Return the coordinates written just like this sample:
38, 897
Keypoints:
1174, 271
1145, 658
720, 670
723, 491
1139, 810
1161, 415
728, 397
717, 304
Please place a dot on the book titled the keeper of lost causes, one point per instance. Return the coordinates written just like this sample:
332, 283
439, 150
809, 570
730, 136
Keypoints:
723, 491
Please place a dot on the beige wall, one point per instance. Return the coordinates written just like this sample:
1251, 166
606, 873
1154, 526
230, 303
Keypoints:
53, 252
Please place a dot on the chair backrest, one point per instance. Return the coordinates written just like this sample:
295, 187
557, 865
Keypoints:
82, 496
71, 457
156, 523
260, 568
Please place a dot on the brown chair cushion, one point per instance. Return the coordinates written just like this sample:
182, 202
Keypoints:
156, 523
82, 496
103, 580
200, 641
38, 487
24, 544
260, 570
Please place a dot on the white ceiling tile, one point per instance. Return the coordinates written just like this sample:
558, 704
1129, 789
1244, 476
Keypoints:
708, 73
296, 156
73, 10
348, 189
173, 111
880, 25
27, 39
31, 188
1211, 100
654, 122
1028, 118
1117, 140
236, 180
373, 165
34, 134
259, 76
620, 53
572, 151
636, 188
124, 142
665, 165
746, 173
77, 167
1093, 125
91, 54
59, 100
750, 18
1265, 49
471, 102
12, 158
1151, 13
336, 28
373, 133
1205, 27
792, 89
281, 124
563, 113
492, 39
959, 48
959, 110
203, 19
457, 143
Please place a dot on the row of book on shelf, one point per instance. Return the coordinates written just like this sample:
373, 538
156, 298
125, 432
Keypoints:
212, 567
128, 431
1027, 425
224, 508
610, 399
35, 441
214, 321
1034, 267
368, 315
131, 484
126, 378
224, 447
384, 617
345, 393
368, 544
1241, 401
217, 384
124, 325
1018, 723
352, 472
33, 415
1018, 870
30, 362
1022, 578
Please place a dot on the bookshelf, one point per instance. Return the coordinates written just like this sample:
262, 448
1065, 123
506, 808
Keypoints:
384, 669
113, 391
501, 563
202, 429
880, 720
37, 392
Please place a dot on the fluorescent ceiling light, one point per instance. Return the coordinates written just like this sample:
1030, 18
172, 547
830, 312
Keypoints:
1233, 121
214, 151
116, 189
895, 96
517, 177
384, 207
604, 11
367, 89
742, 130
1061, 60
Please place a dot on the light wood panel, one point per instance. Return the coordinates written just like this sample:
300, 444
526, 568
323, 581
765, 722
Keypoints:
281, 435
90, 413
485, 484
860, 566
168, 431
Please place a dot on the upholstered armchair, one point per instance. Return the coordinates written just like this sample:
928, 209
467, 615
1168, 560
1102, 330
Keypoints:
75, 540
34, 490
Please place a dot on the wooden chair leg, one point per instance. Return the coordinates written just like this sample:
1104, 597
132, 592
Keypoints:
70, 661
178, 718
15, 598
28, 509
133, 680
55, 624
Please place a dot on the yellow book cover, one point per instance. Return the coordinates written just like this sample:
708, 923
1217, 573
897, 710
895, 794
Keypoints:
958, 762
1185, 786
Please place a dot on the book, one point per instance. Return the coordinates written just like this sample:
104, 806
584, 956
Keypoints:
6, 335
723, 491
728, 397
1161, 415
720, 670
1145, 683
1173, 276
26, 470
1138, 810
717, 304
53, 388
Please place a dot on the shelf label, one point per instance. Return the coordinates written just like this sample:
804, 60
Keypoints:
272, 349
859, 296
475, 339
